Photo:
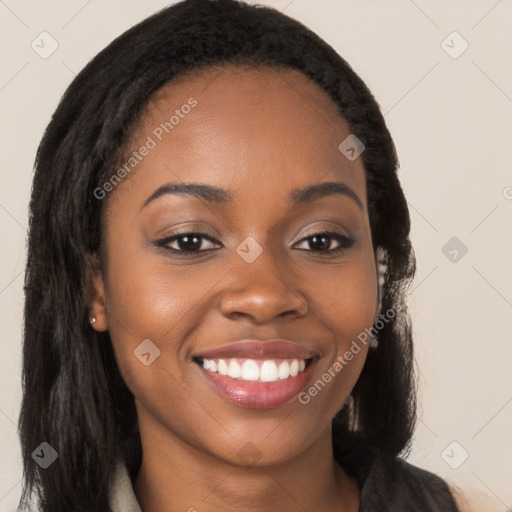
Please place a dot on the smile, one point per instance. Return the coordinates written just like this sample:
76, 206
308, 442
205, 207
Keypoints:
259, 375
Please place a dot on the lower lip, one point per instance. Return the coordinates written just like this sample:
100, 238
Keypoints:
255, 394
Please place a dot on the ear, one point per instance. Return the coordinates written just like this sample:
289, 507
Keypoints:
96, 294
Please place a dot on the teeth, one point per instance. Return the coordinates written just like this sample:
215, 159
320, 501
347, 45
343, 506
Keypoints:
222, 367
284, 370
267, 371
294, 368
234, 369
250, 370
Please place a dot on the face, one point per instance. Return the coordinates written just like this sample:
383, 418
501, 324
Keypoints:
291, 270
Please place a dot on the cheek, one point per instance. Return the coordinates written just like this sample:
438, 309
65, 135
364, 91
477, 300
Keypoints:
148, 304
345, 298
356, 304
146, 296
142, 304
346, 305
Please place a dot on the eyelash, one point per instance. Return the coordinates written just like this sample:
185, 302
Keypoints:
344, 242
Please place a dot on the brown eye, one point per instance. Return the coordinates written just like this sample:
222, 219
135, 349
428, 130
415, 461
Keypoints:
321, 242
185, 243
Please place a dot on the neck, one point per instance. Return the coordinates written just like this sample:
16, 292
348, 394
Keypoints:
175, 475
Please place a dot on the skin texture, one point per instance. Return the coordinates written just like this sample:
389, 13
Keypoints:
258, 133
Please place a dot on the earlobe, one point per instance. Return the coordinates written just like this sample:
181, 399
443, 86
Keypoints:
96, 295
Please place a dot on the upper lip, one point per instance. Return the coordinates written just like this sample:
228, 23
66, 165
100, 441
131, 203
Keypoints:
257, 349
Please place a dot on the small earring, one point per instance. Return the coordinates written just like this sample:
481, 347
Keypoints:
92, 320
374, 342
381, 272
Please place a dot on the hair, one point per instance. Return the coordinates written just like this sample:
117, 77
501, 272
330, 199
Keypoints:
74, 397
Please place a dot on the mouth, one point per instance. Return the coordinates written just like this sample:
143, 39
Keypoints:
258, 375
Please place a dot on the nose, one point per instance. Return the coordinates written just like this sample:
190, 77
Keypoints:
259, 291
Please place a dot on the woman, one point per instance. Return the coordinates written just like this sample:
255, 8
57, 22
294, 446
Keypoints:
218, 262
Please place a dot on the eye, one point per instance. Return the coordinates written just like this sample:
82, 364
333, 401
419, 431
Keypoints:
321, 242
191, 242
185, 243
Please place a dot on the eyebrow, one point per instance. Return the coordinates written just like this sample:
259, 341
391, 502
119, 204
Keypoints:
217, 195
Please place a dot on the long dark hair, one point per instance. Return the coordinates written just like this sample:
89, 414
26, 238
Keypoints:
74, 397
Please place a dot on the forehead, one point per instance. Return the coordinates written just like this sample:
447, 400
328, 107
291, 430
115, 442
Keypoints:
242, 128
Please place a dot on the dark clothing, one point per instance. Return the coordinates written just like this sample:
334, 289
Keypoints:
392, 484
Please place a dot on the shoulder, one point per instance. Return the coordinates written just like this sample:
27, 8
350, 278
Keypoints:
390, 483
394, 484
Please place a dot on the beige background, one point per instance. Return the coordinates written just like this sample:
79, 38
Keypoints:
451, 121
